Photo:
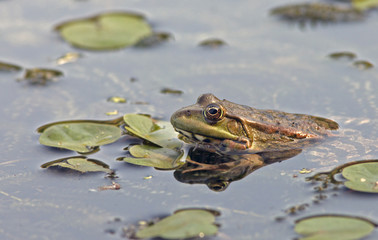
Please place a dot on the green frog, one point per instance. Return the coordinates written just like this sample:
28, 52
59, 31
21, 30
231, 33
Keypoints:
223, 126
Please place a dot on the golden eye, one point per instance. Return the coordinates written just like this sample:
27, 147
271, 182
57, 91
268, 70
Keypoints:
213, 112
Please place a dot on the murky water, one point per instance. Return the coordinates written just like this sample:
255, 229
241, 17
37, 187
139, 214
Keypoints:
267, 63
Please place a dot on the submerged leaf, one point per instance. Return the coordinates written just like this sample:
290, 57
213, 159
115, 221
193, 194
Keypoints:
362, 177
105, 31
183, 224
161, 134
8, 67
153, 156
79, 136
80, 163
333, 227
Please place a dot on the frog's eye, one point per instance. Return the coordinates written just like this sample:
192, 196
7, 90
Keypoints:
213, 112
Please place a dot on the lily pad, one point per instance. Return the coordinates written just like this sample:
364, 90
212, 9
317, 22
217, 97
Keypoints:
154, 39
342, 55
183, 224
41, 75
68, 57
117, 99
364, 5
8, 67
105, 31
152, 156
335, 227
80, 163
362, 177
79, 136
160, 133
212, 43
363, 65
171, 91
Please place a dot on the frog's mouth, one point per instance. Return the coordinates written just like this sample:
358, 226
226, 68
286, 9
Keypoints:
213, 144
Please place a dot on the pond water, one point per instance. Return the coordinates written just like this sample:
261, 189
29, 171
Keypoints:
267, 63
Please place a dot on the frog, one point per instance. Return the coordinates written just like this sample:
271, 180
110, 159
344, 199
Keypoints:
226, 127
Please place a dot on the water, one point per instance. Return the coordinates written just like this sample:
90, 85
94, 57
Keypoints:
266, 64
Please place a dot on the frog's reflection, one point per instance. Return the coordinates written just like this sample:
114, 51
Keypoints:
218, 171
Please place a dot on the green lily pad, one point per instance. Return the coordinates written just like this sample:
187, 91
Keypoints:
160, 133
41, 75
364, 5
80, 136
105, 31
68, 58
152, 156
8, 67
362, 177
183, 224
363, 65
154, 39
212, 43
335, 227
80, 163
171, 91
342, 55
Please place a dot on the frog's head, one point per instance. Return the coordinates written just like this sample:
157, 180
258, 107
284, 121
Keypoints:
206, 123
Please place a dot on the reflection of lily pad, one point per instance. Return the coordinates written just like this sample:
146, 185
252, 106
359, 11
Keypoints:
161, 134
152, 156
8, 67
81, 164
333, 227
183, 224
105, 31
362, 177
79, 136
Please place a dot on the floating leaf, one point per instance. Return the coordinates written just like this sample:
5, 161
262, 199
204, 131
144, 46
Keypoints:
80, 136
363, 65
105, 31
183, 224
321, 12
212, 43
171, 91
80, 163
154, 39
68, 57
153, 156
41, 75
333, 227
117, 99
161, 134
364, 5
340, 55
8, 67
362, 177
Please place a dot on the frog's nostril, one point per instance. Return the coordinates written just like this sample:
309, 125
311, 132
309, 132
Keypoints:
188, 113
